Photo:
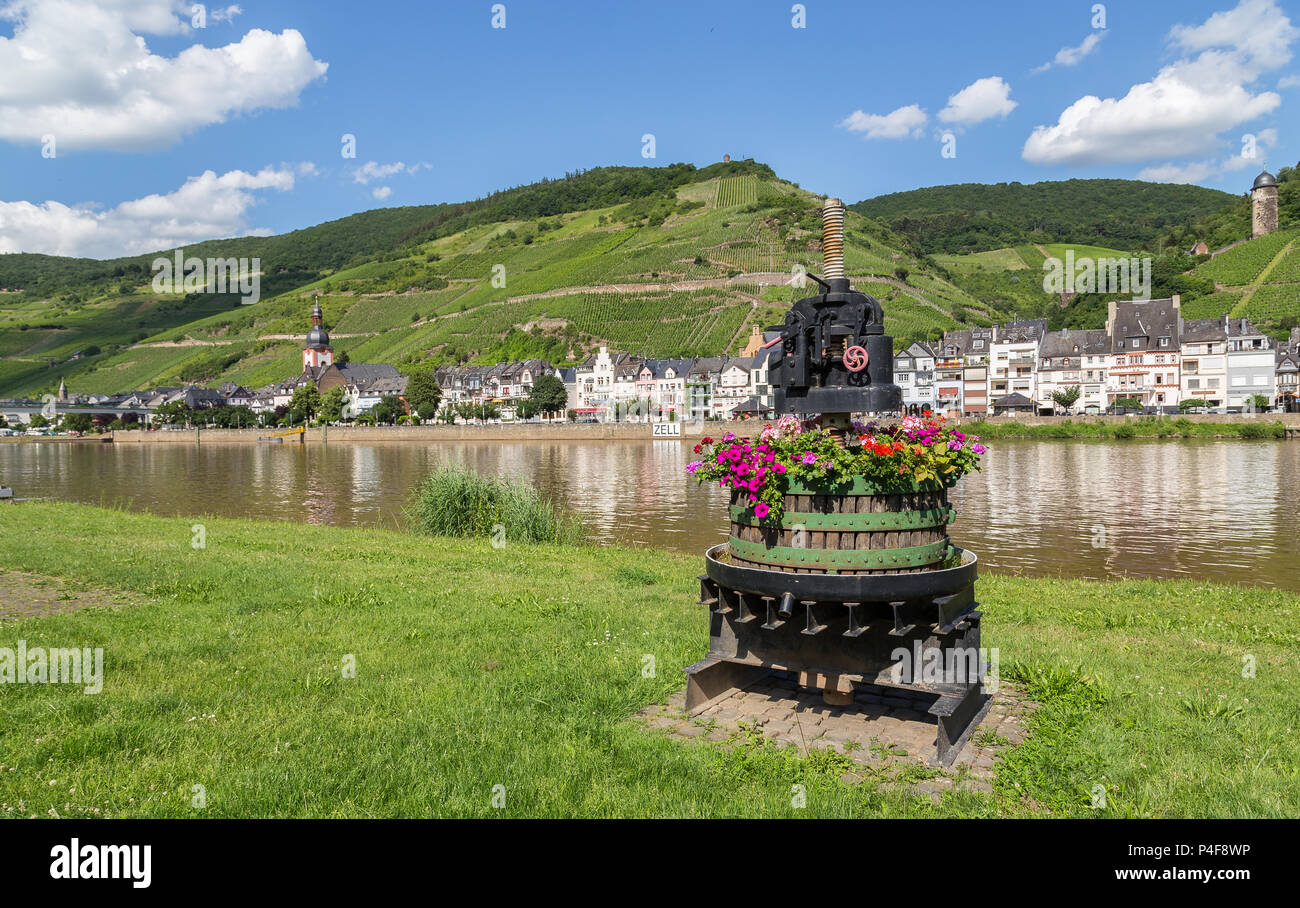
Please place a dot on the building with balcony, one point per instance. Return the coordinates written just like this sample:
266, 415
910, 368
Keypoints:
1144, 352
1204, 364
1252, 364
914, 374
1070, 358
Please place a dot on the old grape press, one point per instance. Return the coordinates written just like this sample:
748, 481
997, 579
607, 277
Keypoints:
851, 577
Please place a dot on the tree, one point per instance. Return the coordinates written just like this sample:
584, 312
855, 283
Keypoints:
173, 413
548, 394
305, 403
77, 422
4, 424
526, 409
331, 405
1066, 397
423, 393
388, 409
38, 421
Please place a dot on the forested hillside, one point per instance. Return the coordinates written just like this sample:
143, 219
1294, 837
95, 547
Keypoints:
978, 217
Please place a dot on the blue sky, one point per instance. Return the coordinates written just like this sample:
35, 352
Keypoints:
855, 104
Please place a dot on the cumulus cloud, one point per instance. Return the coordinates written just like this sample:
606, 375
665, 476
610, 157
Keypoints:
1289, 82
81, 71
208, 206
897, 124
1072, 56
982, 100
382, 192
1183, 110
225, 14
373, 170
1250, 156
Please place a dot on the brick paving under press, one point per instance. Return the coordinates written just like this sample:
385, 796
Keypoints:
883, 731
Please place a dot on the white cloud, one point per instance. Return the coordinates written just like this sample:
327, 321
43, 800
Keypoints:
982, 100
1072, 56
1182, 111
1195, 172
382, 192
1255, 28
1288, 82
897, 124
373, 170
1200, 171
80, 70
206, 207
226, 14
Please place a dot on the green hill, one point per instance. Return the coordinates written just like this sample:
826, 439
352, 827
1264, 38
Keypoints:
978, 217
662, 261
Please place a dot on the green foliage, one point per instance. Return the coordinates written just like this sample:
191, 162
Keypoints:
970, 217
548, 394
423, 393
1066, 398
305, 403
77, 422
452, 501
331, 405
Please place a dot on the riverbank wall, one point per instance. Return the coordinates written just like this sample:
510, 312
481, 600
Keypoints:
559, 432
423, 434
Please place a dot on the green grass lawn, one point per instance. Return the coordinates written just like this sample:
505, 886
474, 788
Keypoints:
522, 667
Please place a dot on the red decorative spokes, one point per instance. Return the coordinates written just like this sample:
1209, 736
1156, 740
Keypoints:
855, 358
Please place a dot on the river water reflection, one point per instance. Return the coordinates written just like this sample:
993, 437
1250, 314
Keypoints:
1216, 510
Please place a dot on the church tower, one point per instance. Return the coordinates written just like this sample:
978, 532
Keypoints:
1263, 205
317, 353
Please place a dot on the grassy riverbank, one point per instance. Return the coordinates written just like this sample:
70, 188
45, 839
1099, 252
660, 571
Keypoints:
522, 666
1142, 427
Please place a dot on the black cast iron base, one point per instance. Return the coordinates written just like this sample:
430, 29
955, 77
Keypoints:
919, 632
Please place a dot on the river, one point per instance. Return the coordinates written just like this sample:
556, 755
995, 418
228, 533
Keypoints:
1213, 510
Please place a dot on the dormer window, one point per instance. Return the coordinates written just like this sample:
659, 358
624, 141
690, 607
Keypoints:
1164, 342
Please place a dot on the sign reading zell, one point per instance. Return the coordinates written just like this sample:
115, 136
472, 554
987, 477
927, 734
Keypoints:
667, 430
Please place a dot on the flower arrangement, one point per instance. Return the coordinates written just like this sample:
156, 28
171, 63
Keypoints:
895, 457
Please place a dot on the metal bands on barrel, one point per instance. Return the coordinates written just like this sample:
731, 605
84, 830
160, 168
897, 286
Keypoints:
850, 523
847, 559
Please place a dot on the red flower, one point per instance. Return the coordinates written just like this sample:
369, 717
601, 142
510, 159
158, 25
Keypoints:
697, 449
706, 440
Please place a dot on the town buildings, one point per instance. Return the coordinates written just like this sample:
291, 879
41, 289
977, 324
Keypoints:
1070, 358
914, 373
1252, 365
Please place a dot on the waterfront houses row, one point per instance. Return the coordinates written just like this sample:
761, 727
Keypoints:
1147, 353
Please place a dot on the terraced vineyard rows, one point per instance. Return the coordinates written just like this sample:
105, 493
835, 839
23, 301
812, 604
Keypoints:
1242, 265
1215, 305
733, 191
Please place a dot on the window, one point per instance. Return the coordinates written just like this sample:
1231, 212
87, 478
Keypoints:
1193, 384
1261, 381
978, 344
1164, 342
1238, 381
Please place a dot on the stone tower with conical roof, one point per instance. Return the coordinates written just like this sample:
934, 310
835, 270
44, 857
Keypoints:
1263, 205
317, 353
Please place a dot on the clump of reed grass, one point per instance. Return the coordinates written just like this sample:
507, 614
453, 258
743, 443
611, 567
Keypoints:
454, 501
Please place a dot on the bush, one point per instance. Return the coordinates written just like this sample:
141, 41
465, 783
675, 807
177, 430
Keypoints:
1124, 430
454, 501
